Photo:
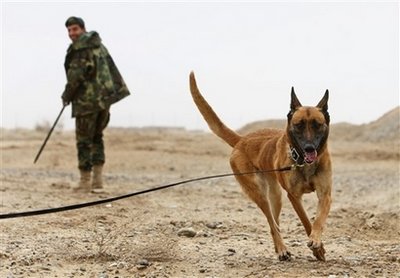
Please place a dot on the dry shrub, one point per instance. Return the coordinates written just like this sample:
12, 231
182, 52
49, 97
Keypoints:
45, 126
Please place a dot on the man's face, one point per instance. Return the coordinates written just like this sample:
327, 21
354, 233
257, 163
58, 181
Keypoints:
74, 32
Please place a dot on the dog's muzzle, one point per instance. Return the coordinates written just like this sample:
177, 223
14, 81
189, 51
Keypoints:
310, 154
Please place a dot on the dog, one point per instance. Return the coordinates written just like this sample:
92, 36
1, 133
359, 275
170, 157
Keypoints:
303, 145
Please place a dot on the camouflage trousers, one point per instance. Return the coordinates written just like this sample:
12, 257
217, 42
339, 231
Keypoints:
89, 139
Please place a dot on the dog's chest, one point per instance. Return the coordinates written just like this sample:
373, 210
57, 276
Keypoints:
308, 187
302, 180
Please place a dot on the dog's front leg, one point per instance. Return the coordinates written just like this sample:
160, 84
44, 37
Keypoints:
297, 204
324, 205
314, 231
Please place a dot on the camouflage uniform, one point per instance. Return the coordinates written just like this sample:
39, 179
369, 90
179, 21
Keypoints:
94, 84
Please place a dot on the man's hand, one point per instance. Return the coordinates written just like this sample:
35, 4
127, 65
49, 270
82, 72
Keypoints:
65, 102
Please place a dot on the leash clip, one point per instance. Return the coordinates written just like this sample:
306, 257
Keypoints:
296, 165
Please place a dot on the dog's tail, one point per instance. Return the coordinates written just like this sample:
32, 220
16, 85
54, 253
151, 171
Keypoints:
215, 124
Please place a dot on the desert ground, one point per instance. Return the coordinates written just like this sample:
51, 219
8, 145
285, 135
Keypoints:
202, 229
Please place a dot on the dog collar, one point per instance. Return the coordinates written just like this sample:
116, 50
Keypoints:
296, 157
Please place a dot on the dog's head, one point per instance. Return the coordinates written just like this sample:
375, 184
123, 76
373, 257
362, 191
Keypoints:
308, 127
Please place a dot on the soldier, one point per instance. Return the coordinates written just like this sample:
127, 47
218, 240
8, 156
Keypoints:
93, 85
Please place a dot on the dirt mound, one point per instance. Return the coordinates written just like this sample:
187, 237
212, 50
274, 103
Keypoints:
250, 127
385, 128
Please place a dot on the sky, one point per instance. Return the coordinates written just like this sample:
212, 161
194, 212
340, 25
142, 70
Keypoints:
246, 57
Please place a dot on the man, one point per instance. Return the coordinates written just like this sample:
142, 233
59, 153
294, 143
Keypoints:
93, 85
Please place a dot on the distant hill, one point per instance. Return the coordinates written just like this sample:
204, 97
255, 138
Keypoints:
386, 128
262, 124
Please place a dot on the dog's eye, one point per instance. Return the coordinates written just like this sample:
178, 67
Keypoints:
316, 125
299, 126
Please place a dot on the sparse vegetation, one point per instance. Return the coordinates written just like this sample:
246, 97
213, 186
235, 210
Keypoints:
45, 126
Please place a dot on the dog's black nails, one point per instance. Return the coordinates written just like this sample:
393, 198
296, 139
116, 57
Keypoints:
285, 257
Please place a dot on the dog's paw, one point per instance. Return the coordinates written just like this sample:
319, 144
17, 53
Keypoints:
318, 250
285, 256
314, 241
317, 247
314, 244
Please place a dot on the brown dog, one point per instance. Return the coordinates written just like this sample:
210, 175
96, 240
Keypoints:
304, 142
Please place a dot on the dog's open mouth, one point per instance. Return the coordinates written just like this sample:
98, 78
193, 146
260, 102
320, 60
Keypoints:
310, 157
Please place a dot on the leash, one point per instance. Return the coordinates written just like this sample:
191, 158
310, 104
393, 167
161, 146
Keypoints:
113, 199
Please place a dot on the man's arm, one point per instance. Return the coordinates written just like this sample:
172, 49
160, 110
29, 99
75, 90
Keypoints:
78, 71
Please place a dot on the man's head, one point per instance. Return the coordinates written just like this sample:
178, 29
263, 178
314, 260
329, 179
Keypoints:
76, 27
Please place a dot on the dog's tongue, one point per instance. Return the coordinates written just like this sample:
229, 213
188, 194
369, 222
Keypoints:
310, 157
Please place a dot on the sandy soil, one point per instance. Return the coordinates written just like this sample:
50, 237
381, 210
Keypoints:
203, 229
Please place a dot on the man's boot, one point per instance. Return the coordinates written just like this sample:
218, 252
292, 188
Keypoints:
97, 185
84, 182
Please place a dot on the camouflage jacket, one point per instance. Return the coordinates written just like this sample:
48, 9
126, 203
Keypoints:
93, 80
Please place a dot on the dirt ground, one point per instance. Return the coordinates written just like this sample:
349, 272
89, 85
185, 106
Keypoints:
202, 229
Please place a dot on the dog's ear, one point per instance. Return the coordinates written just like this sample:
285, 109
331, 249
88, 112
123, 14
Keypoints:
323, 103
294, 103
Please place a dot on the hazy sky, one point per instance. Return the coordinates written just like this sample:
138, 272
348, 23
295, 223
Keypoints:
246, 57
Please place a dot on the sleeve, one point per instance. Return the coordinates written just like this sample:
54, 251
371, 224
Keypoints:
79, 70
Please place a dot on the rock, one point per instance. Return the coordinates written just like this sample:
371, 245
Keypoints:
295, 243
214, 225
374, 223
140, 267
204, 234
377, 270
187, 232
142, 264
45, 268
27, 261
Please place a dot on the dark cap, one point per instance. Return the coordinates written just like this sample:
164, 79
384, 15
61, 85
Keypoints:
75, 20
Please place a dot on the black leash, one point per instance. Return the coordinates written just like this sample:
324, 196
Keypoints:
112, 199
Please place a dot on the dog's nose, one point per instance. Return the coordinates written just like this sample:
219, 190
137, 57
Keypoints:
309, 148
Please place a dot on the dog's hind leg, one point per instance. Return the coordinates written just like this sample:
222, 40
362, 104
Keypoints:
258, 193
275, 197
